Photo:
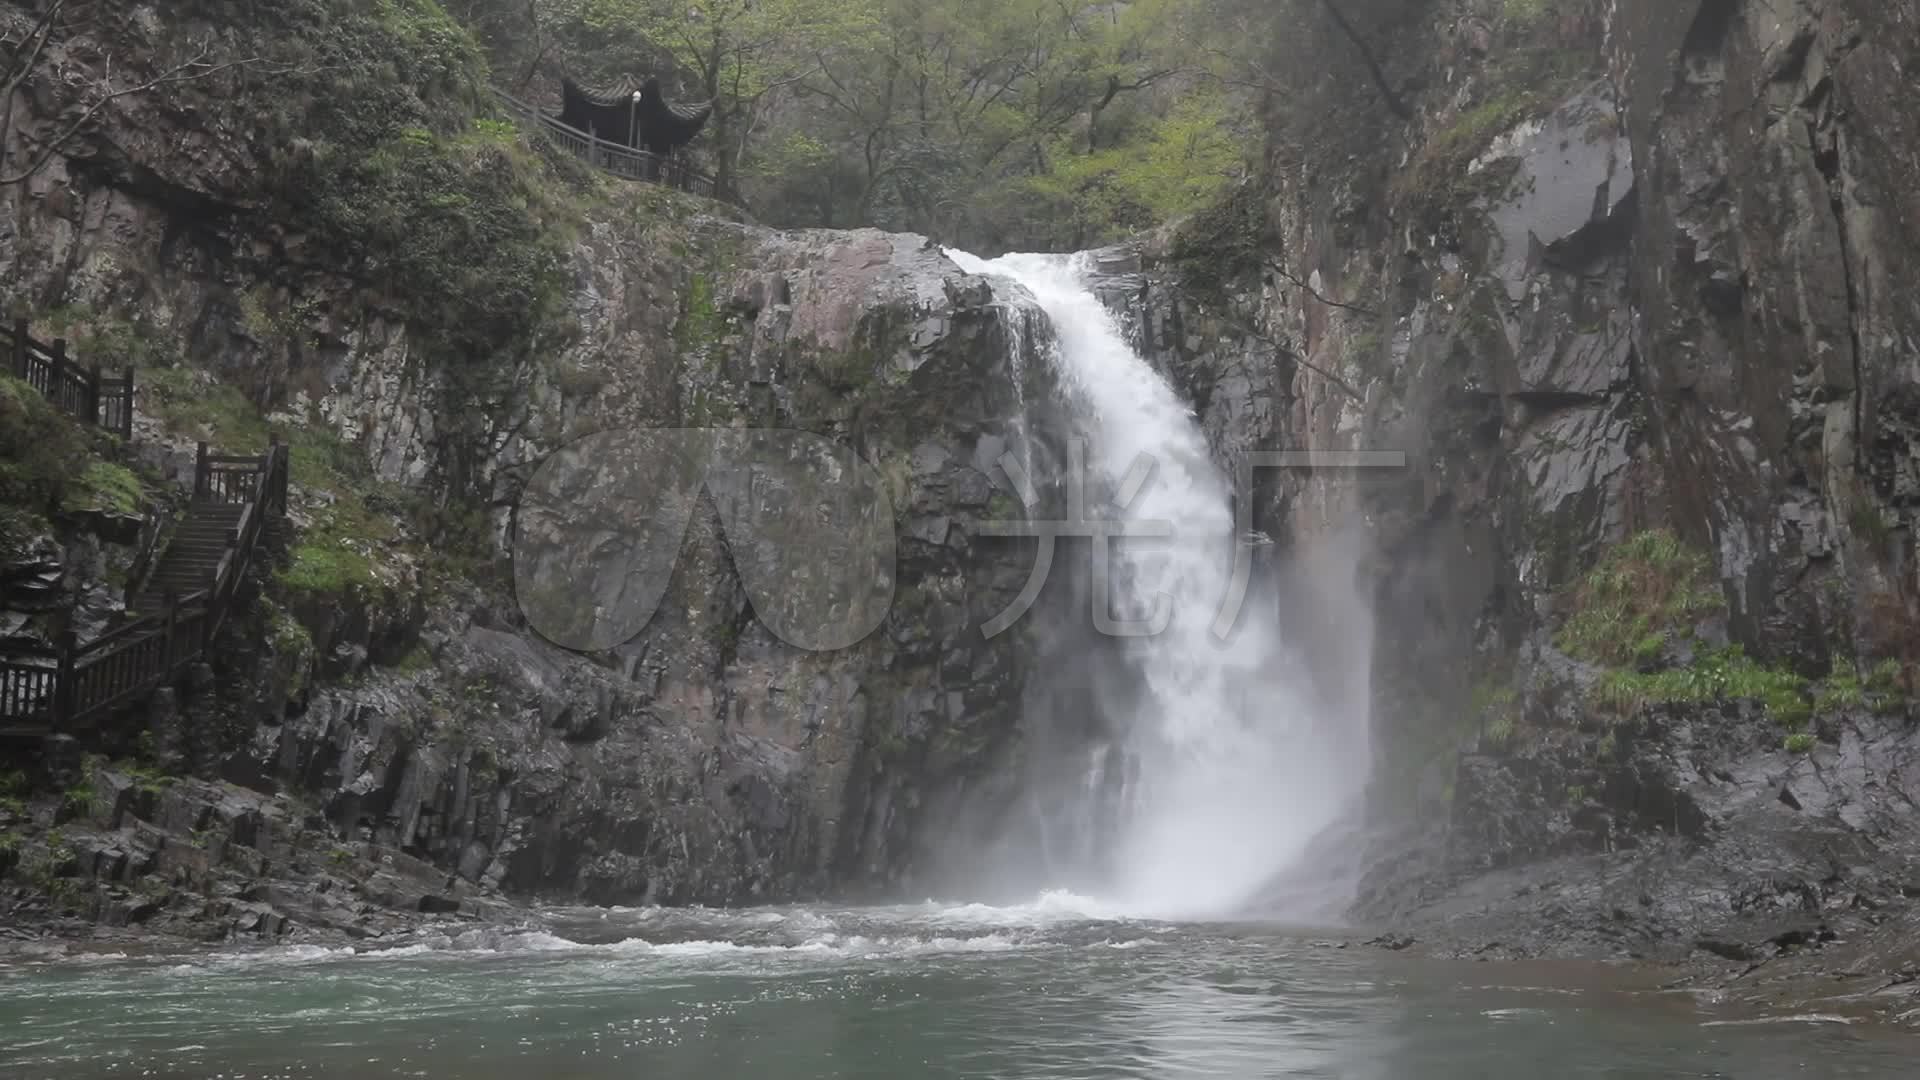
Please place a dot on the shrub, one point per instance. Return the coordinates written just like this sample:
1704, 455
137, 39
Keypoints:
1723, 675
1644, 593
1841, 691
1497, 708
39, 448
1800, 742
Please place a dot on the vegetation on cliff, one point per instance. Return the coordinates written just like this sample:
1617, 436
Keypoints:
1028, 123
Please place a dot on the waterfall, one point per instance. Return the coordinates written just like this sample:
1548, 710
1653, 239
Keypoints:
1237, 762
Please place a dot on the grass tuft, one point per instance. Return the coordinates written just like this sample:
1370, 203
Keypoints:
1644, 593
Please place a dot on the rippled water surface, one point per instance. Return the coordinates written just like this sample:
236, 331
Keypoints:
1054, 990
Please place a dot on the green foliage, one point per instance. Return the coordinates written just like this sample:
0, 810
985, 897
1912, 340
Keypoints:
1886, 677
103, 485
50, 864
1645, 592
382, 153
1496, 707
1871, 524
288, 635
329, 563
1720, 675
13, 792
701, 323
147, 779
460, 230
1524, 83
80, 801
1800, 742
414, 661
18, 528
1031, 123
1844, 690
200, 407
1223, 244
1841, 691
40, 449
112, 342
338, 553
1525, 11
1178, 165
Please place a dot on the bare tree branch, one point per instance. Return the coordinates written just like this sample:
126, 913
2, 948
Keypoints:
1292, 354
190, 70
1291, 279
23, 60
1366, 56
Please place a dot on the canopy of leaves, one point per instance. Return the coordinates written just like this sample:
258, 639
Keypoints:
990, 124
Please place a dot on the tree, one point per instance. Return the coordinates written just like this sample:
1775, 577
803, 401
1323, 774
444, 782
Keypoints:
986, 123
742, 53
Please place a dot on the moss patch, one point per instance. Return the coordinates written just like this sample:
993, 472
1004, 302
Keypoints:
103, 485
40, 449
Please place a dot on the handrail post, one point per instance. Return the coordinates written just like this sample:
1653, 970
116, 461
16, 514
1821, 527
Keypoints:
57, 378
166, 641
20, 340
213, 603
63, 680
93, 395
126, 416
200, 476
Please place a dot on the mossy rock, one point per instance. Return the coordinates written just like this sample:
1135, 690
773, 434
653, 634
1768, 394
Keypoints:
39, 448
105, 486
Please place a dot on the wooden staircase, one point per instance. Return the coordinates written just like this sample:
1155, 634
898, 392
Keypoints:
174, 614
208, 533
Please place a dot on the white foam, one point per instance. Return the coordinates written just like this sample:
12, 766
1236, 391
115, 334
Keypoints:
1051, 907
1243, 758
1797, 1018
493, 944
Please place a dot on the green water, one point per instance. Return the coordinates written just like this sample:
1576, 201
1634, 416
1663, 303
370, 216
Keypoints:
1043, 992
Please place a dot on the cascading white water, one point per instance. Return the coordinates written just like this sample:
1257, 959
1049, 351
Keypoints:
1239, 765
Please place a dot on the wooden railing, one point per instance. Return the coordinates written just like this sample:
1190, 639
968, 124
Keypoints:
64, 687
80, 392
615, 158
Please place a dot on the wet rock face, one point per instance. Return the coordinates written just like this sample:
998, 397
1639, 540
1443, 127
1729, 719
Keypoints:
744, 647
1677, 294
701, 742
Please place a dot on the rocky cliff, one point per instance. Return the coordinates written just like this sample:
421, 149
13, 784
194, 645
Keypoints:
1628, 283
435, 311
1631, 283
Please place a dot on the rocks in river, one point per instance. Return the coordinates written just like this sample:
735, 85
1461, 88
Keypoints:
211, 862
